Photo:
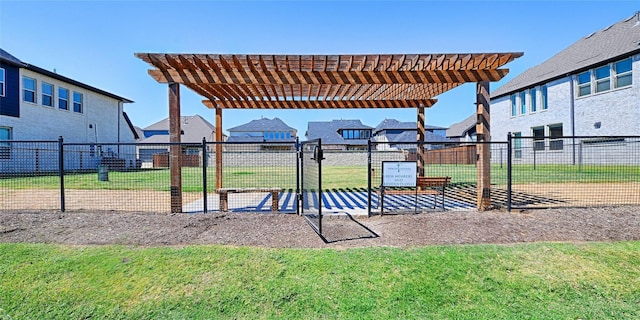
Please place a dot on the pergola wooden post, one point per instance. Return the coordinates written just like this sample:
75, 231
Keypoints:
230, 81
175, 151
218, 148
421, 135
483, 133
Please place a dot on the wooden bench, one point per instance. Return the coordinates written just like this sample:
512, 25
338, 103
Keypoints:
224, 196
424, 185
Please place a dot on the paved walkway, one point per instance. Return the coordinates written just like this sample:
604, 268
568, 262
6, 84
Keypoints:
351, 201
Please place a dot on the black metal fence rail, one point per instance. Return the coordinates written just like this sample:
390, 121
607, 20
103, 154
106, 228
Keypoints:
526, 172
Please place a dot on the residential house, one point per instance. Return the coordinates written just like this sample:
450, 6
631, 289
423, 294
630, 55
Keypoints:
464, 130
193, 130
340, 134
404, 135
591, 88
37, 104
262, 134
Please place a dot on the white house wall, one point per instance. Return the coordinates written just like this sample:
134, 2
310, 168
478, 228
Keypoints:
39, 122
617, 110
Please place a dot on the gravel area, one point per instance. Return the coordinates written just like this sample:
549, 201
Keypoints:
293, 231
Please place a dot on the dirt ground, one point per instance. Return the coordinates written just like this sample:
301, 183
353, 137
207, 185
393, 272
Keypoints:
293, 231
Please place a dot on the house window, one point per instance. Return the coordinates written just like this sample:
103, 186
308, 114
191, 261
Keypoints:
2, 80
63, 99
514, 106
5, 145
584, 83
555, 137
28, 89
77, 102
603, 82
523, 102
544, 98
47, 94
538, 138
622, 70
356, 134
533, 93
517, 145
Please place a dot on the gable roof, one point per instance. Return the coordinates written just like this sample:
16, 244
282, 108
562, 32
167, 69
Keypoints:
393, 124
328, 131
6, 57
611, 43
460, 129
10, 59
194, 128
262, 125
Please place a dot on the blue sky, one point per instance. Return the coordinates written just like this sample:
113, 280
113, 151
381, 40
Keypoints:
94, 42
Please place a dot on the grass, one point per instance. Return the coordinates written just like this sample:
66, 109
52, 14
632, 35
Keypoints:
333, 177
529, 281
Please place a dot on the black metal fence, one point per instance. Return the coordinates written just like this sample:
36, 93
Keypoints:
311, 157
526, 172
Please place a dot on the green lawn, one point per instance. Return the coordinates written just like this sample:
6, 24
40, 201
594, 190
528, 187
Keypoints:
333, 177
528, 281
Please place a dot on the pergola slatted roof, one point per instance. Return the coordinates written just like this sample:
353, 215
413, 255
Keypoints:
324, 81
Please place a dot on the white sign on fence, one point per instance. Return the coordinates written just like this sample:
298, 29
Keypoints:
399, 173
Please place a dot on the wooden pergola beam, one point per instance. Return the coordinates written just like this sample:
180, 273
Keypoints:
330, 104
220, 76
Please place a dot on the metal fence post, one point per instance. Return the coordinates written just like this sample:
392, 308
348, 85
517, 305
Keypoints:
298, 176
61, 171
369, 178
509, 169
204, 174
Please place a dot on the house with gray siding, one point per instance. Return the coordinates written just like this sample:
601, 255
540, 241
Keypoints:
193, 130
400, 135
256, 133
37, 104
591, 88
340, 134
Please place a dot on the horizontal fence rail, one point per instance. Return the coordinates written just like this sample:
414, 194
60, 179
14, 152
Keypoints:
526, 173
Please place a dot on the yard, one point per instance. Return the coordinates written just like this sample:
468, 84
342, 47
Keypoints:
542, 264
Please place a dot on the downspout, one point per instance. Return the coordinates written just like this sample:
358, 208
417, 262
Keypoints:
119, 112
573, 118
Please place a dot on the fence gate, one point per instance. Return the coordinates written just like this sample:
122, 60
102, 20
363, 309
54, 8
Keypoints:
311, 183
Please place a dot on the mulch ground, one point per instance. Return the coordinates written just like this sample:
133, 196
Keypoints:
293, 231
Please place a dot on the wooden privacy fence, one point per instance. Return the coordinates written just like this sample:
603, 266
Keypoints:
455, 155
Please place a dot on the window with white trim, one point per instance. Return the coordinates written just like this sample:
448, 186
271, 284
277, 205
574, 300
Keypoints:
622, 71
2, 81
5, 144
584, 83
514, 106
63, 98
47, 94
77, 102
603, 78
533, 93
29, 89
523, 102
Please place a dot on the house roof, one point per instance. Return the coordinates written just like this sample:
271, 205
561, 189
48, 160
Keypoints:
411, 136
194, 128
328, 131
10, 59
460, 129
6, 57
613, 42
393, 124
262, 125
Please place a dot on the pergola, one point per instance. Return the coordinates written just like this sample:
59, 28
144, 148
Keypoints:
233, 81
